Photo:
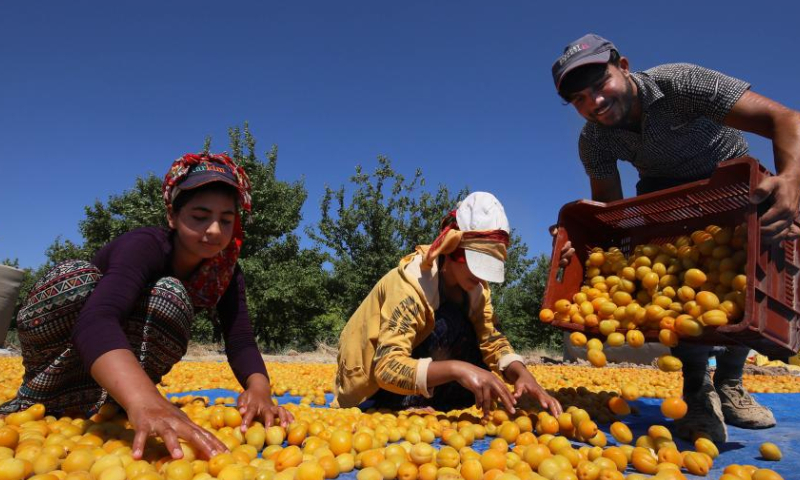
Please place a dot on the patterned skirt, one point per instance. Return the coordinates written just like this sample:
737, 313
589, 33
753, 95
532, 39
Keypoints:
158, 330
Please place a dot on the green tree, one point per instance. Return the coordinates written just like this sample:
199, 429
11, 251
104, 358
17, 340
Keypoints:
141, 206
518, 303
365, 232
286, 284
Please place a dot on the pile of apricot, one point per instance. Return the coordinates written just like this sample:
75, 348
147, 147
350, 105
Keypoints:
676, 289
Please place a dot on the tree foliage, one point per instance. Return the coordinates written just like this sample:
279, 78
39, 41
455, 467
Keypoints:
286, 284
518, 303
366, 229
141, 206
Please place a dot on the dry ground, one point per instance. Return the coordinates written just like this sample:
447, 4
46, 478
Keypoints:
327, 354
213, 352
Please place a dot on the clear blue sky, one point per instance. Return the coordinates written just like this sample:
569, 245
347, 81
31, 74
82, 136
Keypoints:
94, 94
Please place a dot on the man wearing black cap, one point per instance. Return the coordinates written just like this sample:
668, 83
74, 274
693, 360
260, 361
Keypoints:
675, 123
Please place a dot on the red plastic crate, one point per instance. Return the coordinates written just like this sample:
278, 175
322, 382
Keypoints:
771, 322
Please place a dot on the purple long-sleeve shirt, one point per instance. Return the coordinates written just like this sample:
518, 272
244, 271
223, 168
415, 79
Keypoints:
131, 263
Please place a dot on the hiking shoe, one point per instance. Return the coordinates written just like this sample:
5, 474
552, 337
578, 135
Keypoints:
740, 408
703, 417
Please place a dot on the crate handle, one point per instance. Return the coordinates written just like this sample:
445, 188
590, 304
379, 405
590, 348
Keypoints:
556, 231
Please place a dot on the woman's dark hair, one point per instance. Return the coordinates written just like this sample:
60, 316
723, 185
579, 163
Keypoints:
217, 187
584, 76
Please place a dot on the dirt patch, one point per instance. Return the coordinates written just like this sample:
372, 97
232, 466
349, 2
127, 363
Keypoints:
205, 352
769, 371
542, 356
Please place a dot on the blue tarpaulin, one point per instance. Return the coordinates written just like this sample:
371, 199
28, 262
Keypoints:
742, 446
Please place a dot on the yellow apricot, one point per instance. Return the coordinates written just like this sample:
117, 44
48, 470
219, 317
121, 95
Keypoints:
615, 339
686, 325
596, 357
770, 451
696, 463
765, 474
694, 277
577, 339
634, 338
621, 432
668, 337
619, 406
707, 300
674, 408
594, 344
643, 460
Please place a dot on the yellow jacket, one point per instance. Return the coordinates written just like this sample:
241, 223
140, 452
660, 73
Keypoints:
398, 314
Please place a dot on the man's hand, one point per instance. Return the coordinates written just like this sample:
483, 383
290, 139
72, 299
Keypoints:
777, 223
566, 251
760, 115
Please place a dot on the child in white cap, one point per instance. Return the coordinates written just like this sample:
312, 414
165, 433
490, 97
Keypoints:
426, 334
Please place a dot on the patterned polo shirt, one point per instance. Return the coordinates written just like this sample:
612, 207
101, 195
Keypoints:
682, 135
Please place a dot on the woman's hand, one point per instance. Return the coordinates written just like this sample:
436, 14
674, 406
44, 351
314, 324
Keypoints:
158, 417
256, 402
149, 413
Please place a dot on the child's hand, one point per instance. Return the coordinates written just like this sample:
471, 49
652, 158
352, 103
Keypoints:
485, 386
256, 403
527, 385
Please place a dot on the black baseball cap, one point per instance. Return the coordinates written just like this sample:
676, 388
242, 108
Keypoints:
586, 50
207, 172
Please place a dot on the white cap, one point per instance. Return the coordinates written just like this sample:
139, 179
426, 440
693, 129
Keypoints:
483, 211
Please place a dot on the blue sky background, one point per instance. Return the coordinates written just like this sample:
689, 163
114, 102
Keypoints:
94, 94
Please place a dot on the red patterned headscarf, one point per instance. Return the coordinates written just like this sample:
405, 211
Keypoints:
452, 241
211, 279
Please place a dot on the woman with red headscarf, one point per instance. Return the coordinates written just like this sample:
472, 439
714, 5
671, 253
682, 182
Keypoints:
426, 335
92, 333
